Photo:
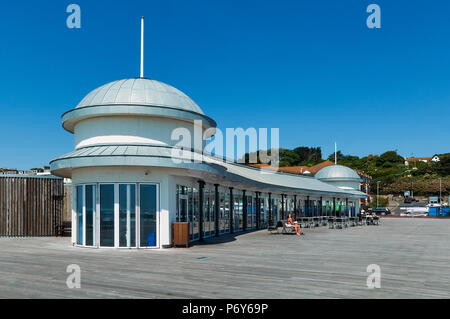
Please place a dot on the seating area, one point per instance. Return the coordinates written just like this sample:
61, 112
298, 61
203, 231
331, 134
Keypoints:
333, 222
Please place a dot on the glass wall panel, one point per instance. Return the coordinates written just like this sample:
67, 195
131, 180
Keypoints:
190, 216
237, 210
264, 209
196, 215
127, 215
275, 209
148, 209
249, 212
182, 204
221, 211
212, 221
90, 201
79, 211
206, 212
107, 215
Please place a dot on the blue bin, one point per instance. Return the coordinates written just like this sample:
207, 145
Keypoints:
151, 239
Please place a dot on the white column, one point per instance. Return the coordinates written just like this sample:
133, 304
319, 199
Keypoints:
74, 214
164, 194
84, 215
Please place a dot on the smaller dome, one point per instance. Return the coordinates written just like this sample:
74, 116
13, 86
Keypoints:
337, 173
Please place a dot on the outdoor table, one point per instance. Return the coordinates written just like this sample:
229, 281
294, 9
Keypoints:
303, 221
316, 221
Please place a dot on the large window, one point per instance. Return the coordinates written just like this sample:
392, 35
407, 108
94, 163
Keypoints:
107, 215
148, 208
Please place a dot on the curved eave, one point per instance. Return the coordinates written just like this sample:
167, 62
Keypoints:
70, 118
162, 156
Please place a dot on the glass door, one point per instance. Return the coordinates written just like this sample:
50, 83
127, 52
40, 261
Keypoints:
107, 215
127, 215
148, 217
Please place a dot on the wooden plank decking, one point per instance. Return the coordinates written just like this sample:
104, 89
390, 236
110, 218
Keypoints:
413, 254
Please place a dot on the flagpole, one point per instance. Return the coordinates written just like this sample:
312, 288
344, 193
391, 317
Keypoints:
335, 154
142, 47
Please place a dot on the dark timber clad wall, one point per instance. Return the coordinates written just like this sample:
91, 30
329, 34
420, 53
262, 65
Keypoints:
30, 206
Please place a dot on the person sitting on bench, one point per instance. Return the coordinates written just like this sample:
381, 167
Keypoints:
295, 225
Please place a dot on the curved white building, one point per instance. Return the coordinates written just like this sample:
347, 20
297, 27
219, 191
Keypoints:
130, 182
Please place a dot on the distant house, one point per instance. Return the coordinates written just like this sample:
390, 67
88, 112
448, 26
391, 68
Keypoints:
434, 158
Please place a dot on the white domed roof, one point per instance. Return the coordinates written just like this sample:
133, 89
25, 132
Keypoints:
140, 91
338, 173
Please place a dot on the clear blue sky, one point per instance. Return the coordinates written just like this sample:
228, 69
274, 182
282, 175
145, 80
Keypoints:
311, 68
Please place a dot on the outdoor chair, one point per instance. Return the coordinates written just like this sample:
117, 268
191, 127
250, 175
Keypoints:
331, 222
364, 221
64, 229
339, 222
376, 220
316, 221
287, 228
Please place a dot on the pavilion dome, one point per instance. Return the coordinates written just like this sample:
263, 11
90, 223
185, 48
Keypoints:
139, 91
337, 173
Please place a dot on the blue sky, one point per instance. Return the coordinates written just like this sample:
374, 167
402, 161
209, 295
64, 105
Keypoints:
311, 68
